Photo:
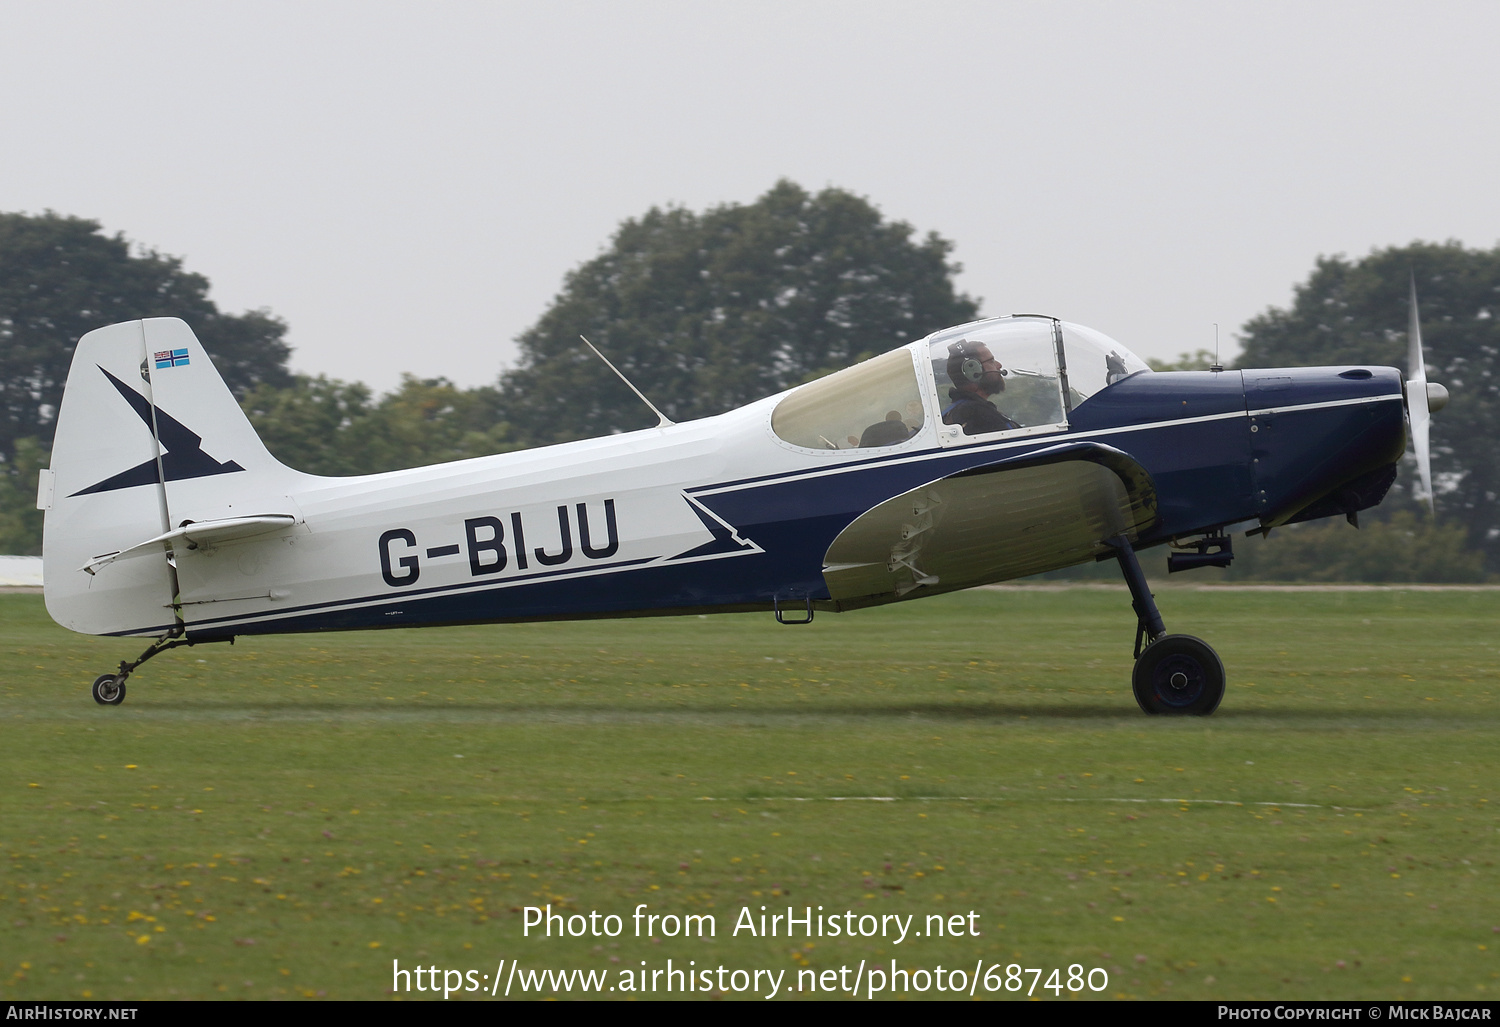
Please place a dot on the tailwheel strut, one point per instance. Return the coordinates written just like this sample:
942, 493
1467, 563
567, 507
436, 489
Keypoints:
109, 689
1174, 674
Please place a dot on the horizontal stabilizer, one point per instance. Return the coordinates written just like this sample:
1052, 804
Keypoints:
201, 533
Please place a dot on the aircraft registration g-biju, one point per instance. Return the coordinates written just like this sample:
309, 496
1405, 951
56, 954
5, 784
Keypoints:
982, 453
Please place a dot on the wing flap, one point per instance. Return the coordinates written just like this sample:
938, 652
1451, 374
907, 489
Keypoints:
1002, 520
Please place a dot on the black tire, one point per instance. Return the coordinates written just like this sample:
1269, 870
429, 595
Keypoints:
108, 690
1179, 674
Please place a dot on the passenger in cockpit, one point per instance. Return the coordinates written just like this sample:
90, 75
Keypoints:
888, 432
976, 376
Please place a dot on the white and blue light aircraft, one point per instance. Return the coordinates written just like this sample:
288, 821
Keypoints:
985, 452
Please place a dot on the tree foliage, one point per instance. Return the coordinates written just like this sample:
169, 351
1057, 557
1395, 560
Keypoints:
20, 520
1198, 360
1351, 312
325, 426
706, 312
61, 277
1406, 547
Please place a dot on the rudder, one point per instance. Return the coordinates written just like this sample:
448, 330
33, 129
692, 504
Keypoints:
145, 420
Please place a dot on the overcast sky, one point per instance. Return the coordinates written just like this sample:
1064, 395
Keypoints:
407, 183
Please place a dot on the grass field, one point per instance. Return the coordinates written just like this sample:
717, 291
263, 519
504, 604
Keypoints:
285, 817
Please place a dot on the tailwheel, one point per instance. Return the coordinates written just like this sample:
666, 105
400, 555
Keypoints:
109, 689
1179, 674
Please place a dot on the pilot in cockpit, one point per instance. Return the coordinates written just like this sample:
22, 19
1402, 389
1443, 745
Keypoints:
976, 376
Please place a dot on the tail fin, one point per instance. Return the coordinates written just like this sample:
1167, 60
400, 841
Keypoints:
146, 431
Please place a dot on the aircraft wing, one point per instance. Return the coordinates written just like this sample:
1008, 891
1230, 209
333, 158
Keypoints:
1007, 519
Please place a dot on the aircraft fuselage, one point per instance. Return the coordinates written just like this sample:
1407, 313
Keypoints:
718, 514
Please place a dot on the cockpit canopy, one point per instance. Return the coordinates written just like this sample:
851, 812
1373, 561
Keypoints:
1033, 370
1020, 373
874, 403
1095, 361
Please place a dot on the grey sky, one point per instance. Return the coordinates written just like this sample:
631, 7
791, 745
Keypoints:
407, 183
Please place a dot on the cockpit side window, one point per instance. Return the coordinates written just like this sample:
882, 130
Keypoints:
998, 376
868, 406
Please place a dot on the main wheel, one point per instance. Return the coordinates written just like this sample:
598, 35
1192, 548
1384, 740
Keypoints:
1179, 674
109, 690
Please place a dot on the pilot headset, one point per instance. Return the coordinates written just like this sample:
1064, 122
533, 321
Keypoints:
971, 368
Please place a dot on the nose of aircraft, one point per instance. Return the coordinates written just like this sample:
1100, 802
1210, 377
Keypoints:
1324, 440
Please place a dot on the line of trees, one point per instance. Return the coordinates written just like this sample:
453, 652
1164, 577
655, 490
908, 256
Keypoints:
707, 311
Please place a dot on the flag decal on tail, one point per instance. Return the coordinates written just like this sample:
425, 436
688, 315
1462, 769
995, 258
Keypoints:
171, 358
184, 456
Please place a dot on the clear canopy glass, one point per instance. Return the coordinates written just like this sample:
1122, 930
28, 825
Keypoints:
872, 404
1024, 373
998, 375
1095, 361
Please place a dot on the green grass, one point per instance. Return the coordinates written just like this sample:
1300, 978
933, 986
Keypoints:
285, 817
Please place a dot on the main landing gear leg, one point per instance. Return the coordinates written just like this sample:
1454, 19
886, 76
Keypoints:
1174, 674
109, 689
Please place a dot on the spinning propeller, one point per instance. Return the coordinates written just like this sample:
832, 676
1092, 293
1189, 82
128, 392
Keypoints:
1422, 397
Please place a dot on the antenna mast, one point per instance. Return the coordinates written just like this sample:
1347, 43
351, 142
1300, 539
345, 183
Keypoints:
1216, 365
663, 421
